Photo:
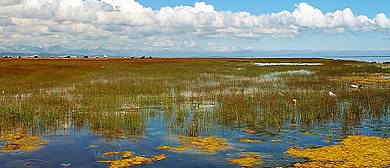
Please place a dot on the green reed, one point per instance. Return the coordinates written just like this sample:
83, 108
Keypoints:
191, 96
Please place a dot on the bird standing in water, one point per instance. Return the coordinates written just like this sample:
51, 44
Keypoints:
332, 94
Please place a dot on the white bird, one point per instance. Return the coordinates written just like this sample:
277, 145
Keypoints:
281, 94
355, 86
332, 94
295, 101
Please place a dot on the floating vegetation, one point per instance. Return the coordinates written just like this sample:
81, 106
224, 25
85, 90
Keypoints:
312, 133
110, 154
65, 164
178, 148
137, 160
126, 155
248, 159
249, 130
354, 151
20, 141
205, 144
126, 160
159, 157
163, 148
249, 140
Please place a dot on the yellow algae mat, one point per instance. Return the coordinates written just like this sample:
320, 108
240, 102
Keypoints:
206, 144
127, 160
246, 140
354, 151
247, 159
20, 141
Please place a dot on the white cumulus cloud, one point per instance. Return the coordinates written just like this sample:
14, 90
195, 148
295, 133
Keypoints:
121, 20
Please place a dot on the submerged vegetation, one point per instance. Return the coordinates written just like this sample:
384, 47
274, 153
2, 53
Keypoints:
205, 102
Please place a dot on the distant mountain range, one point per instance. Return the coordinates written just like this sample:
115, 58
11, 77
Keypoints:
58, 50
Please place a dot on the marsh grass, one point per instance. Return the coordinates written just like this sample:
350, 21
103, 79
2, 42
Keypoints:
192, 96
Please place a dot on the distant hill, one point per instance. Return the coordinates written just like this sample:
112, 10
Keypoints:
60, 50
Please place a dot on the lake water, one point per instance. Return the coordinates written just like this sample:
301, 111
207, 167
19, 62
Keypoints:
83, 146
361, 58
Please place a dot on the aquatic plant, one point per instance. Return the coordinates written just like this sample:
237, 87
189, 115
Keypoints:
126, 159
249, 140
205, 144
353, 151
20, 141
247, 159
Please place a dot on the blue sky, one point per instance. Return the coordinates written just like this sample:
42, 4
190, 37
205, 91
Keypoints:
360, 7
188, 25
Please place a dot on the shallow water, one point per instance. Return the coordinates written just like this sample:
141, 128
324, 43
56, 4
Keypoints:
288, 64
82, 148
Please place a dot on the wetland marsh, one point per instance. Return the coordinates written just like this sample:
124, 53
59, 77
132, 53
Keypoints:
192, 112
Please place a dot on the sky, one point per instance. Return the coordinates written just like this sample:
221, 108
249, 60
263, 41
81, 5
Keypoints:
186, 25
